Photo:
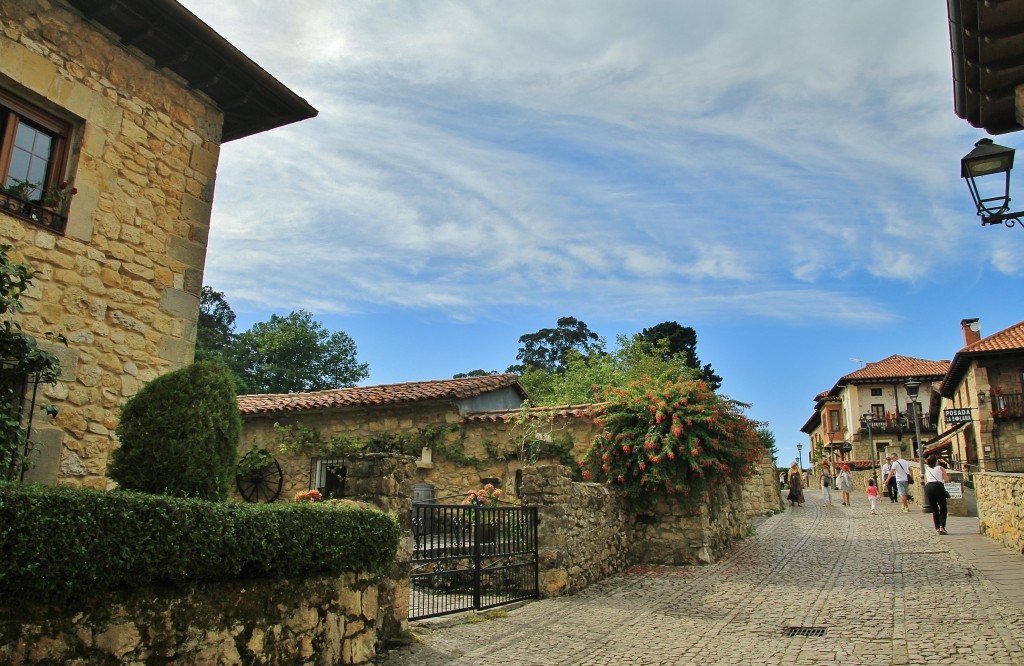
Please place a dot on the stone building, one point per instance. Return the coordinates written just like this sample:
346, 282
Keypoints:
983, 400
463, 432
867, 413
128, 101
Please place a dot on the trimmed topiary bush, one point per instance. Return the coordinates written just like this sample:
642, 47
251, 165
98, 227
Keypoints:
179, 435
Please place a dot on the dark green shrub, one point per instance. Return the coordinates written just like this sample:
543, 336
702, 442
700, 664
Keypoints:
179, 435
65, 545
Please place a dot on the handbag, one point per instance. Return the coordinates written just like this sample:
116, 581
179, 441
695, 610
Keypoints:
910, 477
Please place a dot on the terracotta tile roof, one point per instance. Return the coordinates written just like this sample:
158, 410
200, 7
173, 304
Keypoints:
897, 367
1008, 339
1007, 342
385, 394
500, 415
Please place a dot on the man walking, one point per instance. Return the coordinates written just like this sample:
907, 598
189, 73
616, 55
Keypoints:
899, 470
890, 487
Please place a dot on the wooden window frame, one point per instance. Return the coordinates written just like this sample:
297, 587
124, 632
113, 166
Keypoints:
15, 110
835, 421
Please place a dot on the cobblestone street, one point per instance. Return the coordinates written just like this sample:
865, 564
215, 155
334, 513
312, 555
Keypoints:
881, 589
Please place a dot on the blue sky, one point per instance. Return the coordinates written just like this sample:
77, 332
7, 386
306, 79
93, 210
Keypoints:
783, 176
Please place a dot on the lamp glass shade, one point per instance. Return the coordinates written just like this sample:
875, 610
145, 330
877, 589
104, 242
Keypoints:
913, 386
987, 158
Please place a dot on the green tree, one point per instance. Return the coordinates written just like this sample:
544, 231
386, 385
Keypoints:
675, 439
215, 330
682, 340
295, 354
767, 438
586, 377
179, 435
21, 362
474, 373
549, 348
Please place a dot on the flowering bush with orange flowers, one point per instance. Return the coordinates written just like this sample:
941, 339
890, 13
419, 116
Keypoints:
308, 496
486, 496
677, 439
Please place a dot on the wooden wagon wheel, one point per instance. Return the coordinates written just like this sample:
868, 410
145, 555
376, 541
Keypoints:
260, 483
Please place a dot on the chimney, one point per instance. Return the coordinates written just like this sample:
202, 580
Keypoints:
972, 331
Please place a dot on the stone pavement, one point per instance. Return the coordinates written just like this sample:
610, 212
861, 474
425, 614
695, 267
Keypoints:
882, 589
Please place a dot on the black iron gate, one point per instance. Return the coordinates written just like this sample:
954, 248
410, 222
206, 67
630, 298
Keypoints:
471, 558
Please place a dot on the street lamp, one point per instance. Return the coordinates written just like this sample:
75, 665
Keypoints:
799, 458
992, 203
913, 386
866, 422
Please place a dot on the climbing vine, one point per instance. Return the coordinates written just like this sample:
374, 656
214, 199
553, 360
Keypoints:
22, 362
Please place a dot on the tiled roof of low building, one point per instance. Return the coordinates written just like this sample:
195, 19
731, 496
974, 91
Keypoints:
897, 367
562, 411
384, 394
1006, 342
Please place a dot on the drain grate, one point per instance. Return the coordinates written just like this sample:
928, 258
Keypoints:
804, 631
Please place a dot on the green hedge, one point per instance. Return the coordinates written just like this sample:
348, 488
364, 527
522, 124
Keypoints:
63, 544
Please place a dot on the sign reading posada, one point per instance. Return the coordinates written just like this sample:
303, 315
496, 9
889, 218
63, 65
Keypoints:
958, 415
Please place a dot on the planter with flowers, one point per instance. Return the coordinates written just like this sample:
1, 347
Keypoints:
487, 496
47, 207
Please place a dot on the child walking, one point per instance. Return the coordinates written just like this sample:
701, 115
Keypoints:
873, 495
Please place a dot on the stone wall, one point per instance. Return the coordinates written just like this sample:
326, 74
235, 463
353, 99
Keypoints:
587, 532
123, 282
761, 496
674, 535
490, 444
316, 621
1001, 507
584, 531
322, 620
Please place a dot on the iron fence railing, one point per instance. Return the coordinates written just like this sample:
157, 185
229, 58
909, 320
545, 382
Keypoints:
470, 558
1010, 465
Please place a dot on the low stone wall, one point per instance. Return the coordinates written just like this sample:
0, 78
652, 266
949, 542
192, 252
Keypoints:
583, 532
1001, 507
322, 620
587, 532
674, 535
761, 495
316, 621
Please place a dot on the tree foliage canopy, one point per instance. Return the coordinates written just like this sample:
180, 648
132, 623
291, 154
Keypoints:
216, 328
682, 340
295, 354
549, 349
587, 377
283, 355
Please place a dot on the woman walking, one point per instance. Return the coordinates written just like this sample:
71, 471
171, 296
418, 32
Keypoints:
845, 483
935, 492
796, 486
826, 484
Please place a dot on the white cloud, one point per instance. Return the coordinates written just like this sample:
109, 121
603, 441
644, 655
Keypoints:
473, 155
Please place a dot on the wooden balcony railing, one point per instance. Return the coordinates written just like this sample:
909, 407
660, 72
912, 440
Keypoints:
1008, 406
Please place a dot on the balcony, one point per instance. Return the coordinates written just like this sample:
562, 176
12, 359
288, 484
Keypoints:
1008, 406
897, 424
